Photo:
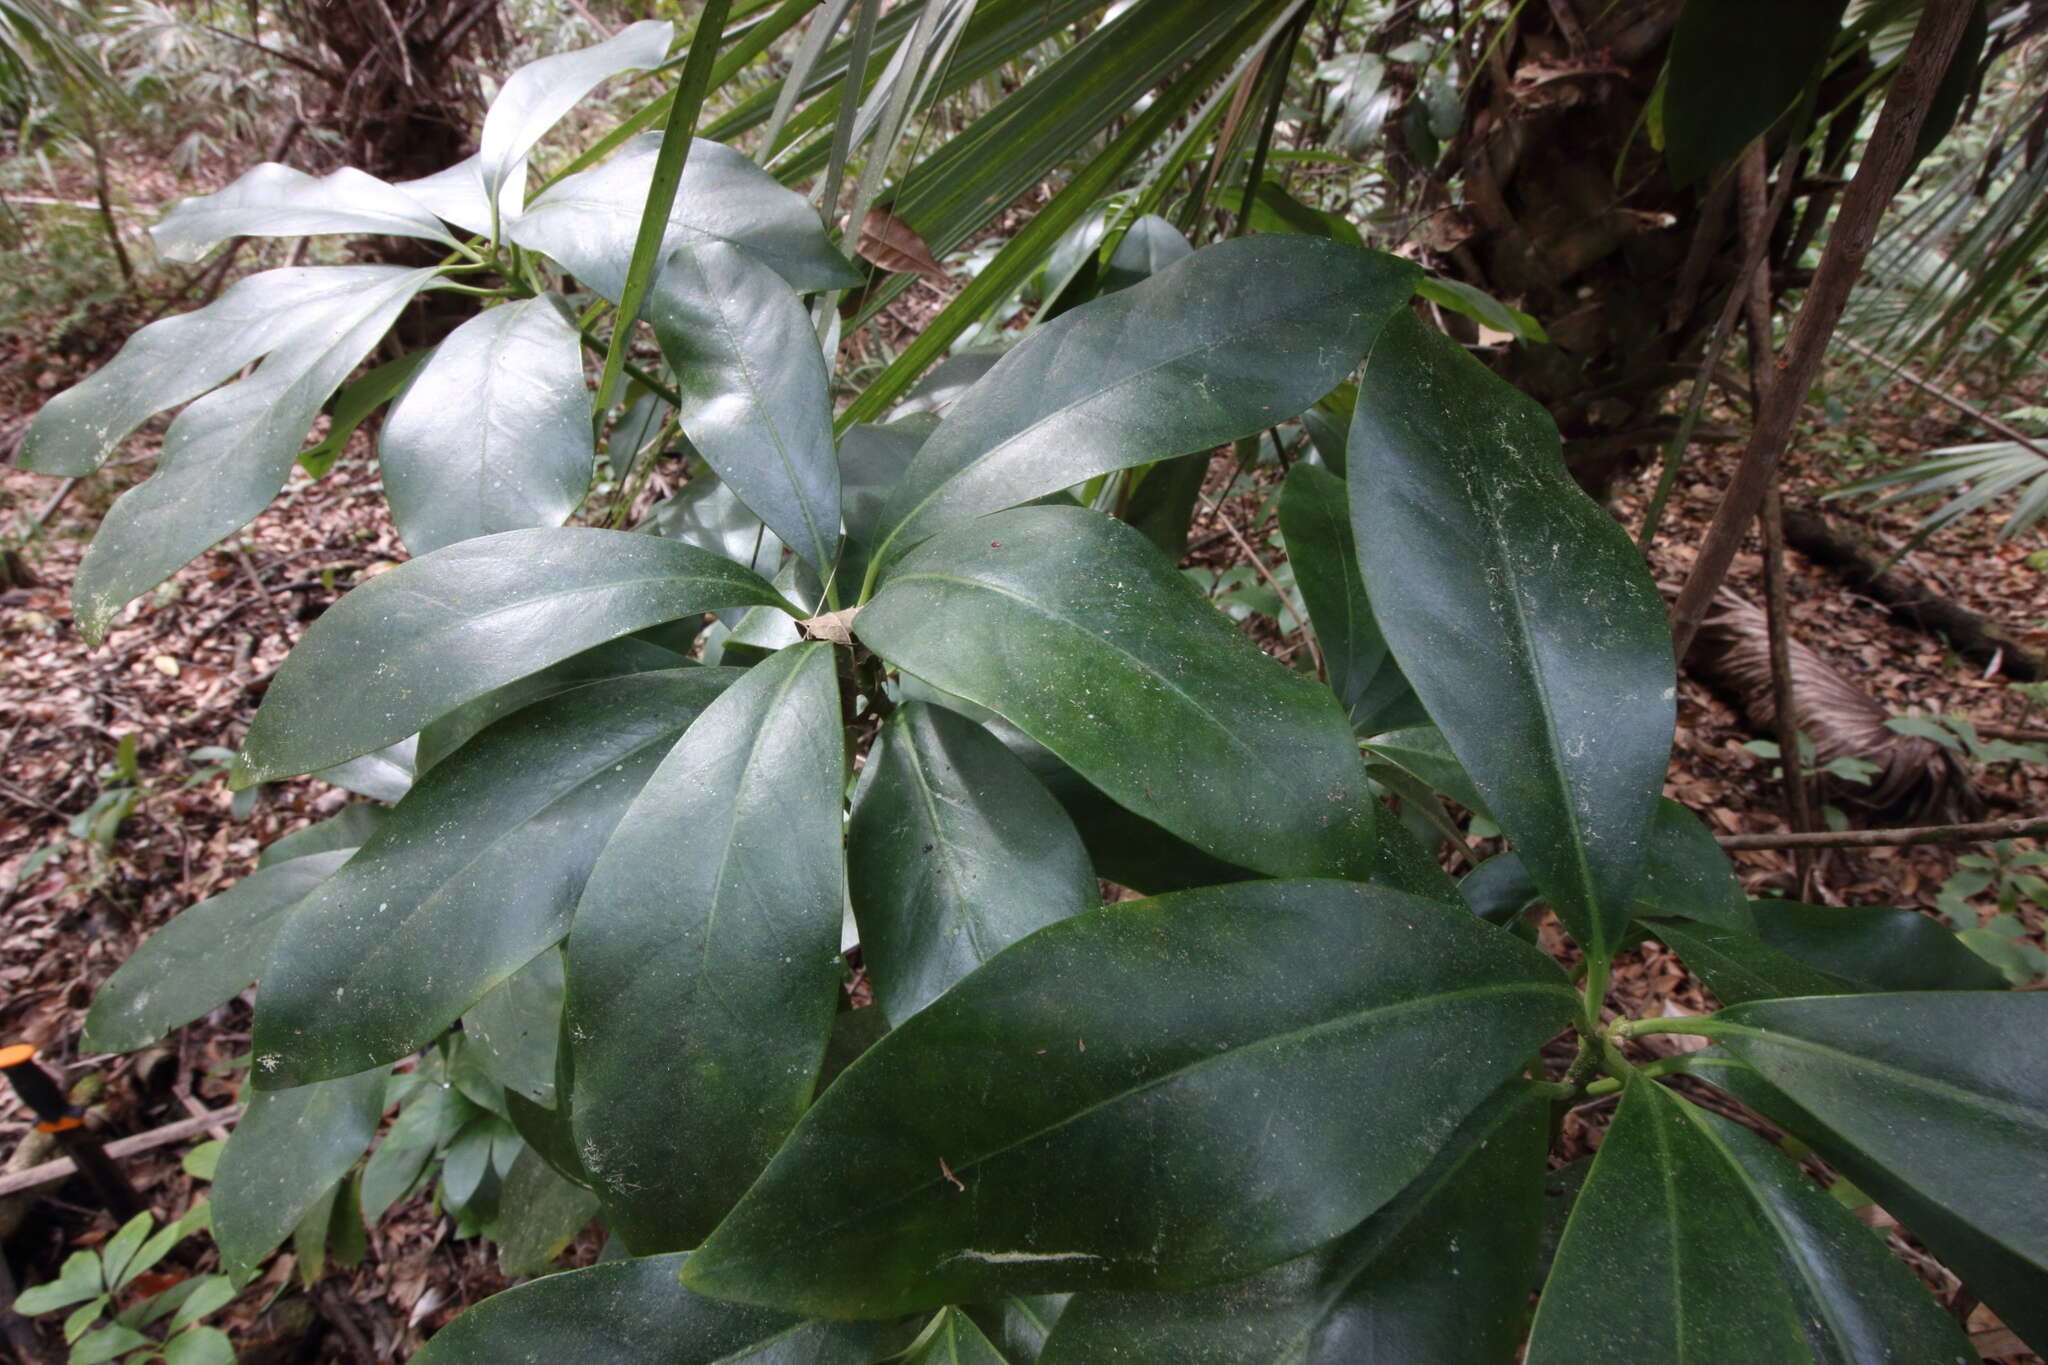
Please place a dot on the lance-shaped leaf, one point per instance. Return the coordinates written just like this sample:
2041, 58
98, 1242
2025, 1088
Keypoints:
1315, 517
586, 222
1694, 1240
2015, 1287
539, 1214
513, 1029
1878, 948
955, 851
227, 455
534, 98
1227, 342
476, 872
1076, 630
756, 401
1946, 1091
417, 642
286, 1153
177, 359
1147, 247
1158, 1094
1521, 614
1686, 873
271, 200
204, 957
704, 965
493, 432
1737, 966
1441, 1273
350, 829
612, 659
636, 1313
456, 194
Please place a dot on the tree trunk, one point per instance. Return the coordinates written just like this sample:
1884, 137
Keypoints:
1569, 213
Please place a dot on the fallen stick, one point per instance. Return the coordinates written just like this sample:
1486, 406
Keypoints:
1982, 832
50, 1172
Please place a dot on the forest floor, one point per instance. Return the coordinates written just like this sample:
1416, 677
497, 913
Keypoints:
182, 672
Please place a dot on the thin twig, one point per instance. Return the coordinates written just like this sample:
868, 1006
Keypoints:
1885, 160
1985, 831
284, 622
63, 1168
1286, 599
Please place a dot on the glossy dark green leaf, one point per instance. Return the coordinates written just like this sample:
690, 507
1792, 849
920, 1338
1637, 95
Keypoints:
176, 359
1423, 753
872, 458
1080, 633
953, 1338
514, 1027
1123, 847
476, 872
1694, 1240
704, 963
423, 1127
1778, 48
536, 96
493, 433
1499, 889
1687, 874
1440, 1274
1947, 1091
1738, 966
636, 1313
612, 659
287, 1151
1155, 1094
1315, 517
587, 221
384, 774
270, 200
1878, 948
1228, 342
538, 1216
1018, 1327
756, 402
1404, 864
350, 828
705, 513
227, 455
2014, 1287
1521, 614
1147, 247
954, 852
205, 957
419, 641
353, 405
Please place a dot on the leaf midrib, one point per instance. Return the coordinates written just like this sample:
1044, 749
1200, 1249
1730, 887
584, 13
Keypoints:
1207, 1060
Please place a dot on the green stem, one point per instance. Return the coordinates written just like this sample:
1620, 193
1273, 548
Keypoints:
1596, 991
676, 135
1700, 1028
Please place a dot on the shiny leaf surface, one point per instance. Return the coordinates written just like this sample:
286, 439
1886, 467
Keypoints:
586, 222
476, 872
1876, 947
756, 399
286, 1153
227, 455
1165, 1092
1440, 1274
1315, 516
419, 641
954, 852
1080, 633
536, 96
705, 957
1227, 342
270, 200
635, 1313
493, 432
203, 958
1521, 614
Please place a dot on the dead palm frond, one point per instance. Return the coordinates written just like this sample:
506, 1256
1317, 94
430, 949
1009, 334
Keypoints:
1916, 778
